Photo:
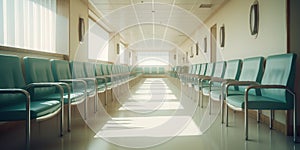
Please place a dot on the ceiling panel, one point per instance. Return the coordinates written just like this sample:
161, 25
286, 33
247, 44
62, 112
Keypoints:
155, 20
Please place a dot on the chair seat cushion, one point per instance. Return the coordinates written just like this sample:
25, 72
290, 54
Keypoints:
74, 96
205, 90
216, 94
101, 87
37, 109
257, 102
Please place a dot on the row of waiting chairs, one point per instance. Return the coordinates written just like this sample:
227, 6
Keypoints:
150, 70
246, 84
48, 85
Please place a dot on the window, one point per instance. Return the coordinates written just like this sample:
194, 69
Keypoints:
152, 58
98, 42
29, 24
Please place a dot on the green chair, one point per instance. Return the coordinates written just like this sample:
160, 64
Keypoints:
107, 75
78, 72
199, 72
199, 84
38, 70
62, 73
146, 70
206, 81
216, 84
276, 90
15, 101
161, 70
153, 70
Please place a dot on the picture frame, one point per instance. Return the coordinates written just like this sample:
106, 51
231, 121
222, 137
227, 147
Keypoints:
81, 30
254, 18
192, 53
197, 49
205, 44
222, 36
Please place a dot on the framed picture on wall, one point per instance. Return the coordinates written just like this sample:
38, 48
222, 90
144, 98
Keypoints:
81, 30
192, 53
197, 48
205, 44
222, 36
254, 18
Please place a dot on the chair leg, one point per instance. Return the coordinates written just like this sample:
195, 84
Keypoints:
201, 99
246, 124
271, 118
85, 107
227, 115
209, 101
258, 116
295, 120
69, 117
105, 97
27, 130
222, 111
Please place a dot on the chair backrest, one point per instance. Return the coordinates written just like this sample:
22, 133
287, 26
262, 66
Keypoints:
219, 69
198, 68
146, 70
161, 70
252, 70
98, 70
154, 70
203, 69
210, 69
104, 69
279, 70
39, 70
233, 69
77, 69
109, 68
60, 69
89, 69
11, 77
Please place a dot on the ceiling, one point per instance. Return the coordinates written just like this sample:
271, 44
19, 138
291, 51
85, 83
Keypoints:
155, 24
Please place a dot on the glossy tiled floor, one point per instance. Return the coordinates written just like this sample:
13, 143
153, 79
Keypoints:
155, 116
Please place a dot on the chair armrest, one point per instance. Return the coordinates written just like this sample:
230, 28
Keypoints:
26, 93
75, 80
239, 83
14, 91
58, 85
260, 86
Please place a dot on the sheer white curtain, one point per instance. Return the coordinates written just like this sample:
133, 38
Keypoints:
28, 24
98, 42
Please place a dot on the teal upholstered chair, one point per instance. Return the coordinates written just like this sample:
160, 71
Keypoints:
78, 88
146, 70
38, 70
251, 73
199, 72
276, 90
153, 70
107, 76
17, 104
218, 72
198, 87
78, 72
216, 84
161, 70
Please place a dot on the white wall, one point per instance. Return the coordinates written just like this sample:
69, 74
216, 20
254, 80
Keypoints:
272, 36
239, 43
